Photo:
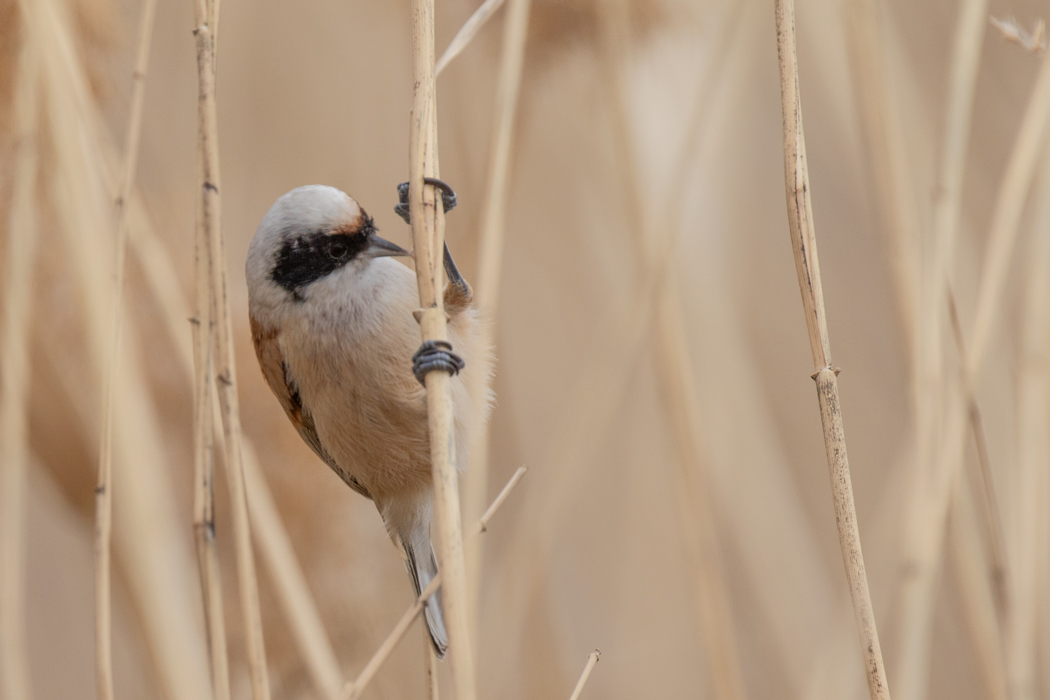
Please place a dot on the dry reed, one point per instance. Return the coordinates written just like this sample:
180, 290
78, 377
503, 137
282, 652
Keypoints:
428, 239
222, 347
14, 375
467, 32
804, 245
289, 582
592, 660
104, 483
354, 688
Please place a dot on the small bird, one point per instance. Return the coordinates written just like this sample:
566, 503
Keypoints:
332, 322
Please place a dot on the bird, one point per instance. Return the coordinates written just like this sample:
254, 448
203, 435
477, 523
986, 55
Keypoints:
332, 321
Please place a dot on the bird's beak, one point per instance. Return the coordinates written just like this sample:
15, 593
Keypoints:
382, 248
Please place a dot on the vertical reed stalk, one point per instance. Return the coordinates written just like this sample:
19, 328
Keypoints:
14, 375
490, 257
428, 224
804, 245
104, 484
203, 445
224, 370
592, 660
289, 582
430, 673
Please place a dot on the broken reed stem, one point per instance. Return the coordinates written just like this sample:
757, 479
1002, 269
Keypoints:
428, 231
354, 688
804, 245
490, 259
14, 375
467, 32
592, 661
224, 370
103, 487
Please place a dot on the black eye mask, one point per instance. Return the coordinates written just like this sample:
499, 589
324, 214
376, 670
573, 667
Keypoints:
313, 256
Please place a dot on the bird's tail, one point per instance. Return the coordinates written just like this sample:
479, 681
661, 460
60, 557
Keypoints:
422, 567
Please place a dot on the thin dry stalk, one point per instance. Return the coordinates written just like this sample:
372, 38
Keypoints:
592, 660
224, 371
490, 258
354, 688
203, 445
103, 487
428, 234
804, 245
430, 661
467, 32
14, 375
290, 583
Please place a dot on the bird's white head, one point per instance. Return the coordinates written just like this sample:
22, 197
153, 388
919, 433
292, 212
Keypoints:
309, 235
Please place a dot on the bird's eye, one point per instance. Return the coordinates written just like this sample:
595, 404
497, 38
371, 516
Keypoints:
337, 250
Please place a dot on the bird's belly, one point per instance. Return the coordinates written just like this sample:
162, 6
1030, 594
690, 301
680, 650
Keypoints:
375, 434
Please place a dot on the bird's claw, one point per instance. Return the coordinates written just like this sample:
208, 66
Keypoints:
448, 197
435, 355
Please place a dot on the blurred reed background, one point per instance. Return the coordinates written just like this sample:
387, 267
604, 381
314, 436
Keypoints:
653, 359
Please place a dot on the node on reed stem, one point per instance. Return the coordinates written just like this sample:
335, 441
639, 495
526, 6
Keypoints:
804, 245
224, 372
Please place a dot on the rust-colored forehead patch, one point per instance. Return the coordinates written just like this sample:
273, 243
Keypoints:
361, 223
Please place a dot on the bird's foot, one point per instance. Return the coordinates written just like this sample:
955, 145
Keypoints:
448, 197
435, 355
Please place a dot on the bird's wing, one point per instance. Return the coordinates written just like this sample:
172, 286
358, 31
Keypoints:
274, 368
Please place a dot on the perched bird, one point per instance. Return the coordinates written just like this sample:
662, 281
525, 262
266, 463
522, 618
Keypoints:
333, 327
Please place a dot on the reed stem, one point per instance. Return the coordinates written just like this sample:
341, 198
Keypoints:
804, 245
104, 483
592, 661
224, 370
428, 237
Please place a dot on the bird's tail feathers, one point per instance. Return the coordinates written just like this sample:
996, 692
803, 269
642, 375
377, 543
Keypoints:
422, 568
